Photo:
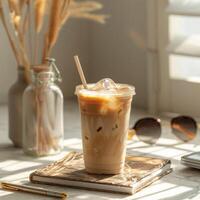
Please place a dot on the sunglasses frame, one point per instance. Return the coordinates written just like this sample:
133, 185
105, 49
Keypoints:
179, 125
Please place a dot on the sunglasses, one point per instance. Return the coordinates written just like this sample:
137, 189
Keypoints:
148, 130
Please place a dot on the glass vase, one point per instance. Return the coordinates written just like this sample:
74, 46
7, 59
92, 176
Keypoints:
42, 115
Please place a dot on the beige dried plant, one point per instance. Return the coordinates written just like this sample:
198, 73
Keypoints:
29, 21
40, 7
54, 23
12, 42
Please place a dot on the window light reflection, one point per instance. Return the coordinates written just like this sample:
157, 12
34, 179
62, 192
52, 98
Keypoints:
72, 141
170, 152
165, 189
18, 177
14, 165
167, 141
4, 193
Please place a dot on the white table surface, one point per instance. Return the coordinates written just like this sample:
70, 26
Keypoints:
182, 183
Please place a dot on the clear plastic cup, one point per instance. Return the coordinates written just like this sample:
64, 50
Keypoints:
105, 111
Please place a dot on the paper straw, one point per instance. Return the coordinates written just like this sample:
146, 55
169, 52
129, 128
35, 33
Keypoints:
80, 71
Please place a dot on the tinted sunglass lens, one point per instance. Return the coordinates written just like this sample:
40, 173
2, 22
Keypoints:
148, 130
184, 127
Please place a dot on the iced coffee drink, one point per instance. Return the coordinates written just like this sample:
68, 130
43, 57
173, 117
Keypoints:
105, 110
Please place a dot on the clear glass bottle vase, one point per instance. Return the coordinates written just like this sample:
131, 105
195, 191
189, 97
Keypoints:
43, 113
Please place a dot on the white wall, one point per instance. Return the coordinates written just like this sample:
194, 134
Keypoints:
8, 66
117, 50
114, 50
74, 39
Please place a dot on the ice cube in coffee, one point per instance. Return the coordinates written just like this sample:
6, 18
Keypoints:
105, 110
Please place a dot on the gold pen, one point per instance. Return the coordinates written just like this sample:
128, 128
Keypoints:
34, 190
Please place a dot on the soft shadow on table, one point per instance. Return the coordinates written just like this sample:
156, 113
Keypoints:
87, 194
14, 153
14, 162
8, 151
22, 196
173, 146
184, 195
6, 146
188, 172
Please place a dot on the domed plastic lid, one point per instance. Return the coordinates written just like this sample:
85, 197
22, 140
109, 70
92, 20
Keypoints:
106, 87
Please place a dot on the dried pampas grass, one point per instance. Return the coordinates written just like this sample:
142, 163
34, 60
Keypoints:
40, 6
35, 24
12, 42
97, 18
86, 6
14, 6
28, 22
54, 23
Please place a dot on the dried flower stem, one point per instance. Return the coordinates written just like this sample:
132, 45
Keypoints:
39, 6
65, 12
98, 18
54, 24
25, 22
12, 43
65, 8
60, 11
30, 30
14, 9
86, 6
